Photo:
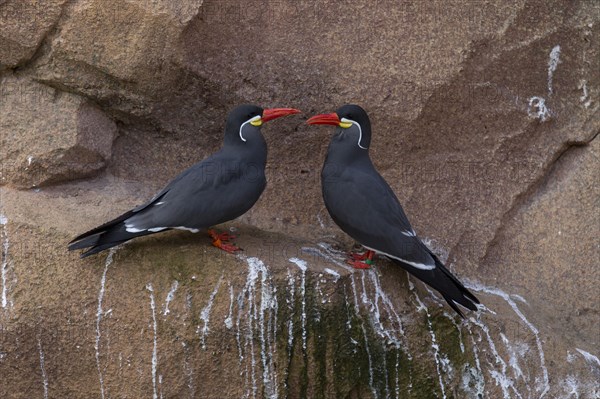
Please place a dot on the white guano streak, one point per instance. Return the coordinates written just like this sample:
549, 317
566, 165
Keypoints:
552, 64
302, 265
532, 328
43, 368
107, 263
205, 313
436, 348
170, 297
229, 318
154, 346
591, 359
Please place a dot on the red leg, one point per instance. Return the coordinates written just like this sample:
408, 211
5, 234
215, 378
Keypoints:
221, 236
362, 261
220, 240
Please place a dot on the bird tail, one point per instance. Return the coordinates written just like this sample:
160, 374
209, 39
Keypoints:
441, 279
106, 236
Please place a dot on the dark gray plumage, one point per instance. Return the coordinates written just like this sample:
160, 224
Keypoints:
364, 206
220, 188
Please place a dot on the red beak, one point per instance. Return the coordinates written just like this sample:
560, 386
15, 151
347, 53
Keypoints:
273, 113
324, 119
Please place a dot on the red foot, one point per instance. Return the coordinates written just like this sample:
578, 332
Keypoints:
361, 261
221, 241
220, 236
357, 264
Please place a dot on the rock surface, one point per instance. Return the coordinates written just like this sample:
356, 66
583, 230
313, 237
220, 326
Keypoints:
485, 123
48, 136
23, 26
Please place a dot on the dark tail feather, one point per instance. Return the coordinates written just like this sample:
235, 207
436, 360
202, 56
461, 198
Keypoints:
97, 248
443, 281
466, 299
75, 243
85, 242
106, 236
453, 306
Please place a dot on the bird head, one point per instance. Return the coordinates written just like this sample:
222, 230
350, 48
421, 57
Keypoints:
352, 122
244, 122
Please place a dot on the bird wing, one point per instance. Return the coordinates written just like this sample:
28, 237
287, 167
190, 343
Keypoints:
366, 208
211, 192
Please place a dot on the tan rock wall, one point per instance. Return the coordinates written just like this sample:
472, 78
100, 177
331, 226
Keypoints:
485, 121
48, 136
23, 26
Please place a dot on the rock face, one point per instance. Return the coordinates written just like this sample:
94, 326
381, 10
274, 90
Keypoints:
50, 136
23, 27
485, 121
